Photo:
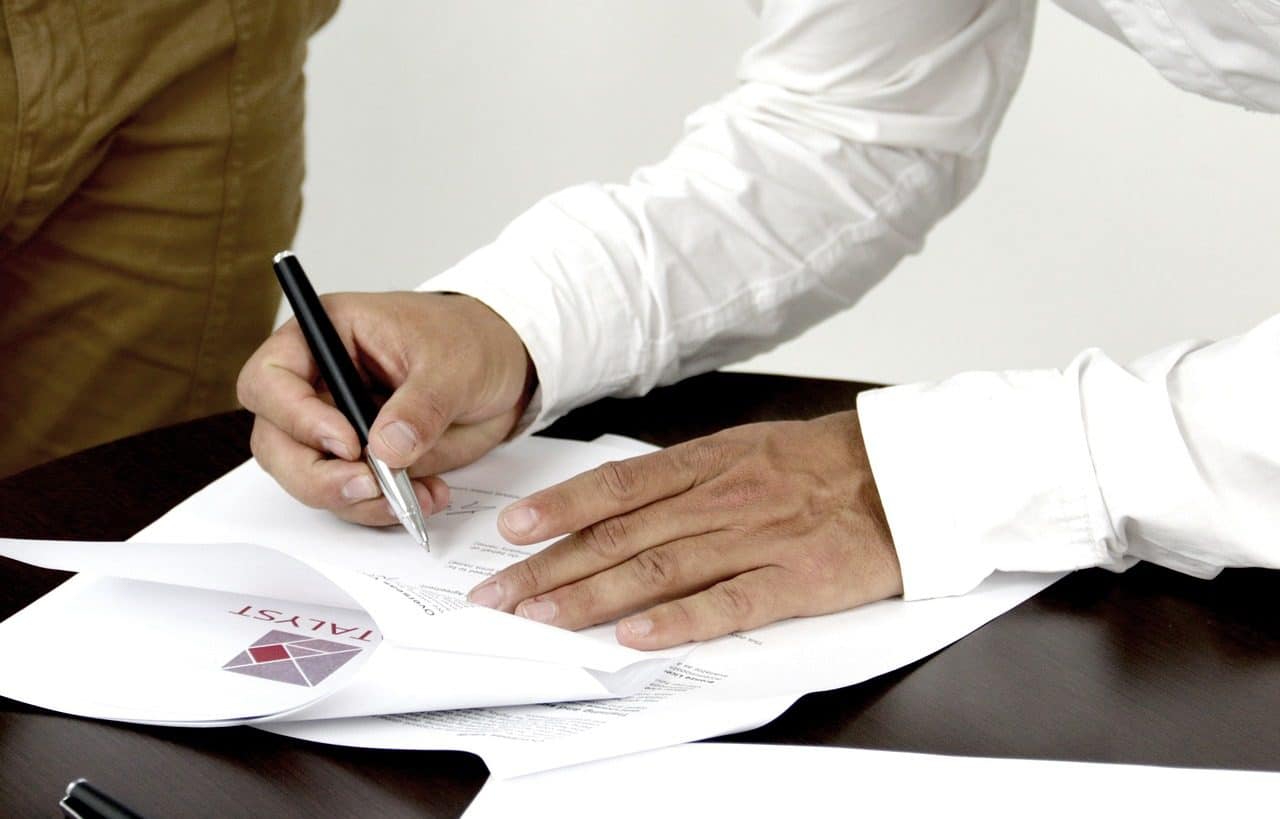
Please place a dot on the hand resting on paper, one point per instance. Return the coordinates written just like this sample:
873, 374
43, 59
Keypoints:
460, 377
735, 530
750, 525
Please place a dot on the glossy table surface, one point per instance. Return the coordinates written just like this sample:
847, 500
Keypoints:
1145, 667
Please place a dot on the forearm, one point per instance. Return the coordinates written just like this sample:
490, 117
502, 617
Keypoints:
857, 126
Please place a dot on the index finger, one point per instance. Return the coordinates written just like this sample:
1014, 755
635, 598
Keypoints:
278, 384
611, 489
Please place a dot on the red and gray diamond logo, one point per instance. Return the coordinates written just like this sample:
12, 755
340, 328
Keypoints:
292, 658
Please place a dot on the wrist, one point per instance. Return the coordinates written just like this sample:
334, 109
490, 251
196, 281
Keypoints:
510, 376
530, 403
872, 506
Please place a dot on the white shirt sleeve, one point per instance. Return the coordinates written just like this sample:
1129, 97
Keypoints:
1174, 459
857, 124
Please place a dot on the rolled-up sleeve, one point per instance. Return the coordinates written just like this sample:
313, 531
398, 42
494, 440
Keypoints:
855, 127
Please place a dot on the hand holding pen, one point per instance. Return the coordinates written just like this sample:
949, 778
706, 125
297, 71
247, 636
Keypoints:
348, 391
458, 377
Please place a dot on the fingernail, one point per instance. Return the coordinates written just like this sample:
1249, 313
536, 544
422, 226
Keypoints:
487, 594
359, 489
519, 519
338, 448
544, 611
399, 437
637, 626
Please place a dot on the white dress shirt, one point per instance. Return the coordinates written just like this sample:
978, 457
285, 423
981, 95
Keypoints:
857, 125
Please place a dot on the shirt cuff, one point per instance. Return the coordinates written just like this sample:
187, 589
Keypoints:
985, 472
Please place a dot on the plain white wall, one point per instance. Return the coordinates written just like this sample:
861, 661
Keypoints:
1117, 212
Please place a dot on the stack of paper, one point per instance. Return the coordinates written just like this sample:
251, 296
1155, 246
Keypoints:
241, 605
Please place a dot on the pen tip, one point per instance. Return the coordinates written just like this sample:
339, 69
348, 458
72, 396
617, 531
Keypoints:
414, 525
284, 254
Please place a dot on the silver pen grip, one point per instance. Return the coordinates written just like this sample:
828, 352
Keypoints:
398, 490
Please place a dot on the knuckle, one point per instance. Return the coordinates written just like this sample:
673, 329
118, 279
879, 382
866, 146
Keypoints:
705, 457
734, 602
525, 577
578, 602
300, 428
657, 568
748, 489
619, 480
679, 617
607, 538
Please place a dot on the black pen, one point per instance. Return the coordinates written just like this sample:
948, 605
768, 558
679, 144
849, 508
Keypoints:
84, 801
348, 390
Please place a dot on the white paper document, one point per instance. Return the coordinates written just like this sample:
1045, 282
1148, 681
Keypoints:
241, 605
724, 779
726, 685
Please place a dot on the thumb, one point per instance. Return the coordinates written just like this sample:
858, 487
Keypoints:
411, 422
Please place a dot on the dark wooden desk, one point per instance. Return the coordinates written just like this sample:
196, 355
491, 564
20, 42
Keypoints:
1145, 667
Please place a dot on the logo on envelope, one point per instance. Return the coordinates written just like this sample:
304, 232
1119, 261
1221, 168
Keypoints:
292, 658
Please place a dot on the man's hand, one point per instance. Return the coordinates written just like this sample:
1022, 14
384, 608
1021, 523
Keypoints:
457, 376
724, 533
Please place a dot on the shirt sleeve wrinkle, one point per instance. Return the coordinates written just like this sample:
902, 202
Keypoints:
814, 270
1173, 459
858, 125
